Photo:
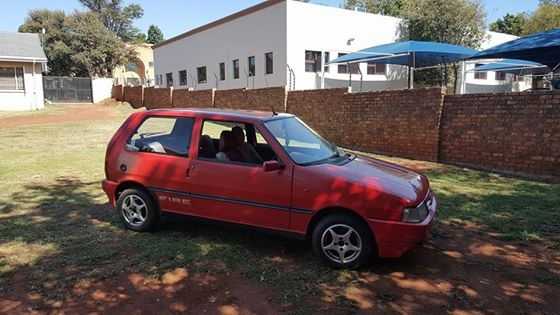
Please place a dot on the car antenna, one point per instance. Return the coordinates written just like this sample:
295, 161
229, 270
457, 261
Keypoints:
274, 113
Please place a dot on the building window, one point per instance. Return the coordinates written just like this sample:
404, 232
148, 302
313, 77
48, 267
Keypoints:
201, 74
11, 78
326, 61
269, 63
169, 78
500, 76
343, 68
251, 65
222, 71
151, 64
236, 69
376, 68
312, 61
183, 77
132, 67
478, 74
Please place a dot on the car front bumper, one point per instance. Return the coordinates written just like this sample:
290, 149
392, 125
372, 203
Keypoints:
110, 187
396, 238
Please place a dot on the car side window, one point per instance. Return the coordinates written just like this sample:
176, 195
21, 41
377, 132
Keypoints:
237, 142
163, 135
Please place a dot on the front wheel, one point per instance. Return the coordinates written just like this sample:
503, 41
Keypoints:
137, 210
342, 241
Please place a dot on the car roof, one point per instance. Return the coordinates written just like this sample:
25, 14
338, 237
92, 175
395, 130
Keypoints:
219, 112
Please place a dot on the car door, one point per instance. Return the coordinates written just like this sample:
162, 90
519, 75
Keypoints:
158, 156
237, 191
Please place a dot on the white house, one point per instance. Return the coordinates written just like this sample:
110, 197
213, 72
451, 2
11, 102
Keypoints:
22, 61
284, 43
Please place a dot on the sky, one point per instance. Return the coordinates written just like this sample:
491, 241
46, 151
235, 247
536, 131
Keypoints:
177, 16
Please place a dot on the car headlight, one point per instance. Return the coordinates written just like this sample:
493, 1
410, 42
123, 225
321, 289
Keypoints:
416, 215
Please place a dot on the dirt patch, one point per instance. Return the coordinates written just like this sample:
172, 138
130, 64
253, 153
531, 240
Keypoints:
177, 291
70, 113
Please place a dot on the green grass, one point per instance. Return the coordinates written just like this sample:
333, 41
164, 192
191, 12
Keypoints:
56, 227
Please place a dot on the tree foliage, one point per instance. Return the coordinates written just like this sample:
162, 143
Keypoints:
513, 24
116, 17
384, 7
155, 35
460, 22
78, 44
546, 17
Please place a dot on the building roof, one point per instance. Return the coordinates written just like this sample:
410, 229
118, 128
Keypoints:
21, 47
223, 20
222, 113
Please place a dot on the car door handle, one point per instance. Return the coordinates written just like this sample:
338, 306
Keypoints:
190, 169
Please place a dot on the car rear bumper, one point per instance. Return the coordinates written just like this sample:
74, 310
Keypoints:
396, 238
110, 187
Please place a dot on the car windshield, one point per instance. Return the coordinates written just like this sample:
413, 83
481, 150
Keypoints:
303, 144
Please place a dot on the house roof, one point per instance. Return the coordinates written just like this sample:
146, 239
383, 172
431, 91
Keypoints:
221, 21
21, 47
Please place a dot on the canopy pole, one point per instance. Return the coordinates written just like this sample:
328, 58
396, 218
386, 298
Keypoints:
322, 70
463, 77
409, 69
350, 77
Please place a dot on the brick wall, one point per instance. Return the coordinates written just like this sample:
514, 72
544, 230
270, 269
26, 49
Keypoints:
235, 98
255, 99
401, 123
514, 132
186, 98
324, 110
117, 92
157, 98
134, 95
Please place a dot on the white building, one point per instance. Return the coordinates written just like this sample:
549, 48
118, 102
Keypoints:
283, 43
21, 62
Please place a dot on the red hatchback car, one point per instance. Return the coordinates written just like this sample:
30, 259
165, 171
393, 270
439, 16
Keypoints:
265, 170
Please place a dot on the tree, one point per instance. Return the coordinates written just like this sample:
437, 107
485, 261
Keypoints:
155, 35
510, 24
384, 7
116, 17
77, 45
546, 17
55, 39
459, 22
96, 50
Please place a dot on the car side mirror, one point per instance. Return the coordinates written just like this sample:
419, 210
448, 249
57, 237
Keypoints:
270, 166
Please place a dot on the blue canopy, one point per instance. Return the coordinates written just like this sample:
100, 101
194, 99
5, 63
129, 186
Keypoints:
539, 47
511, 66
410, 53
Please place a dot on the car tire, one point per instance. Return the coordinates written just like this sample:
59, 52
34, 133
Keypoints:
137, 210
343, 241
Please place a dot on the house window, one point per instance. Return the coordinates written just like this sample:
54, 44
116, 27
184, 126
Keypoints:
312, 61
376, 68
251, 64
151, 64
11, 78
132, 67
269, 63
201, 74
500, 76
236, 69
327, 59
222, 71
343, 68
183, 77
478, 74
169, 78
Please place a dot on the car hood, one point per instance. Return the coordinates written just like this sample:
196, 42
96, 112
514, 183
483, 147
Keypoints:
386, 178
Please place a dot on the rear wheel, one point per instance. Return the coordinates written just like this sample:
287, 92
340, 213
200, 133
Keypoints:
342, 241
137, 210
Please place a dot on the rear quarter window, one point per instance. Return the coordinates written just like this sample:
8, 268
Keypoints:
163, 135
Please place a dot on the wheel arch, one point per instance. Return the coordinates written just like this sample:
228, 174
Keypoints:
317, 217
134, 184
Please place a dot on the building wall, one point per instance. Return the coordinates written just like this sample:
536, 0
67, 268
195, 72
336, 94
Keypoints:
101, 89
31, 97
144, 68
334, 30
251, 35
